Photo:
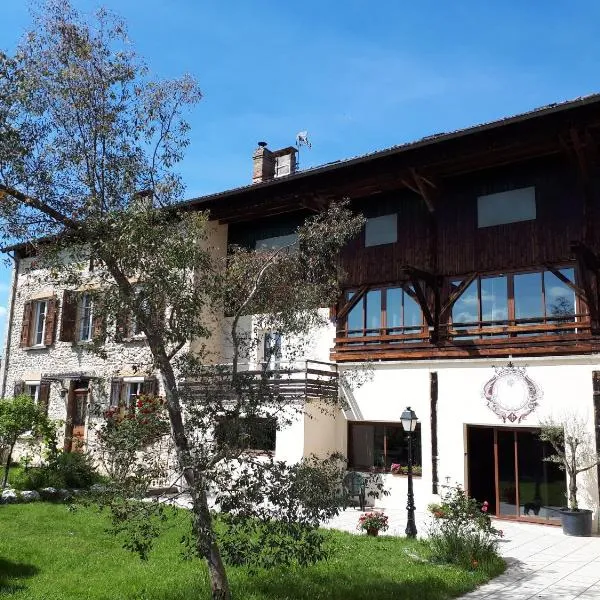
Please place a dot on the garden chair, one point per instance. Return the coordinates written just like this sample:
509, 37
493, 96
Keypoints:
354, 487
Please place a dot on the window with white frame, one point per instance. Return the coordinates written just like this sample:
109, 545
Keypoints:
32, 389
86, 318
381, 230
133, 387
39, 322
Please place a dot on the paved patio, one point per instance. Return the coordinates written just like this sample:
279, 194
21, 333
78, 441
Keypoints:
543, 563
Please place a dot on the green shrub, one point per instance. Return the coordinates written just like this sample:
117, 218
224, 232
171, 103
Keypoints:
74, 470
65, 470
461, 531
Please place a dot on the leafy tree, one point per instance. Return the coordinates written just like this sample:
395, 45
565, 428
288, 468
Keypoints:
18, 416
83, 128
573, 449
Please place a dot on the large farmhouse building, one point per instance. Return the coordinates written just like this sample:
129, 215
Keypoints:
471, 294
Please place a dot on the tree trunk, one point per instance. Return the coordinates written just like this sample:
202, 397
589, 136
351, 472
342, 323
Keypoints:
206, 545
203, 528
7, 465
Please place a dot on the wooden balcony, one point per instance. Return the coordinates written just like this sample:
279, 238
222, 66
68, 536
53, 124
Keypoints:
523, 337
301, 380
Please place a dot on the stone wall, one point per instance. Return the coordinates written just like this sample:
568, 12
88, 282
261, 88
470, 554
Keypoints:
30, 364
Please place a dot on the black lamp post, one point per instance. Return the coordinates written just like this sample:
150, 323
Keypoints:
409, 423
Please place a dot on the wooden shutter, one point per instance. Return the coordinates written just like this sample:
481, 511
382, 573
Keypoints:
98, 328
44, 395
51, 312
19, 388
98, 320
69, 317
26, 327
116, 385
150, 386
123, 329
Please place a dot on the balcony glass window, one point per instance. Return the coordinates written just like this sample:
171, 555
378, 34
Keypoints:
518, 299
392, 311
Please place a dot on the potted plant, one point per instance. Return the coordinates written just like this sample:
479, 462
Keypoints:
373, 522
573, 453
398, 469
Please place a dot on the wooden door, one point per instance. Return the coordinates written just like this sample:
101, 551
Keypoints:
76, 416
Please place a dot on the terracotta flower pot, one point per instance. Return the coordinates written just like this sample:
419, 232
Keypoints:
372, 531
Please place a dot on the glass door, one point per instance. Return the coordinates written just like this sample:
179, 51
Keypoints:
542, 486
509, 469
506, 482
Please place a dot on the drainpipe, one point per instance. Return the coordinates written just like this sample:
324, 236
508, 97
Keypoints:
9, 322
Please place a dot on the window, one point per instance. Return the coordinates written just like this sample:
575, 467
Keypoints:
277, 242
506, 207
381, 230
271, 350
247, 433
126, 390
32, 389
522, 299
39, 328
393, 311
86, 321
133, 389
38, 325
379, 445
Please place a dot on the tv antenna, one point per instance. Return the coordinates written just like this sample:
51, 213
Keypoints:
302, 140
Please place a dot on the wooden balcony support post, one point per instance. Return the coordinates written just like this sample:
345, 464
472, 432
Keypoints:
589, 266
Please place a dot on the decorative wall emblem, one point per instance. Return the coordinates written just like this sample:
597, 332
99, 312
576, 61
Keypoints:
511, 393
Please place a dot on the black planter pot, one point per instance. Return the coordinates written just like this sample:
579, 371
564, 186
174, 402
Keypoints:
576, 522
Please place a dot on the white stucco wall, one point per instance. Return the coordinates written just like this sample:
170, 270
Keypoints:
565, 382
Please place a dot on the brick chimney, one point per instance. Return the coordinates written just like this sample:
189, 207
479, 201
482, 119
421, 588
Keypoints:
269, 165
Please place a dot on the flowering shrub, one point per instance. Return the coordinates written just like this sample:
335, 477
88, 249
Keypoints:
398, 469
126, 433
373, 520
461, 530
145, 424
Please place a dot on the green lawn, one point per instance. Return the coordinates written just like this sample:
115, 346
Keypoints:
49, 553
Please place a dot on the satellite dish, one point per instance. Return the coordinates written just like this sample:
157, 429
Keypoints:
302, 139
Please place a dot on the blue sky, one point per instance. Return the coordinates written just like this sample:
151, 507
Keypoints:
357, 75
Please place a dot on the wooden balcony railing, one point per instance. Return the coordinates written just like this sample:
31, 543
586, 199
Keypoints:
304, 379
538, 335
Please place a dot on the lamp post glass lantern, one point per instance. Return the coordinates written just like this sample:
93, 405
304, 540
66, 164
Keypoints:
409, 424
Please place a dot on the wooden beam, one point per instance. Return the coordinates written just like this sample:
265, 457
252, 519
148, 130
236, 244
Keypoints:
580, 292
352, 302
457, 293
580, 154
420, 185
422, 301
583, 252
588, 263
413, 272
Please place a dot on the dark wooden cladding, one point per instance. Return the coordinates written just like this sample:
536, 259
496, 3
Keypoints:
460, 246
434, 431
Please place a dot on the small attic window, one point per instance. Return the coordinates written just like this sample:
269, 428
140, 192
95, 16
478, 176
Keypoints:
381, 230
506, 207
